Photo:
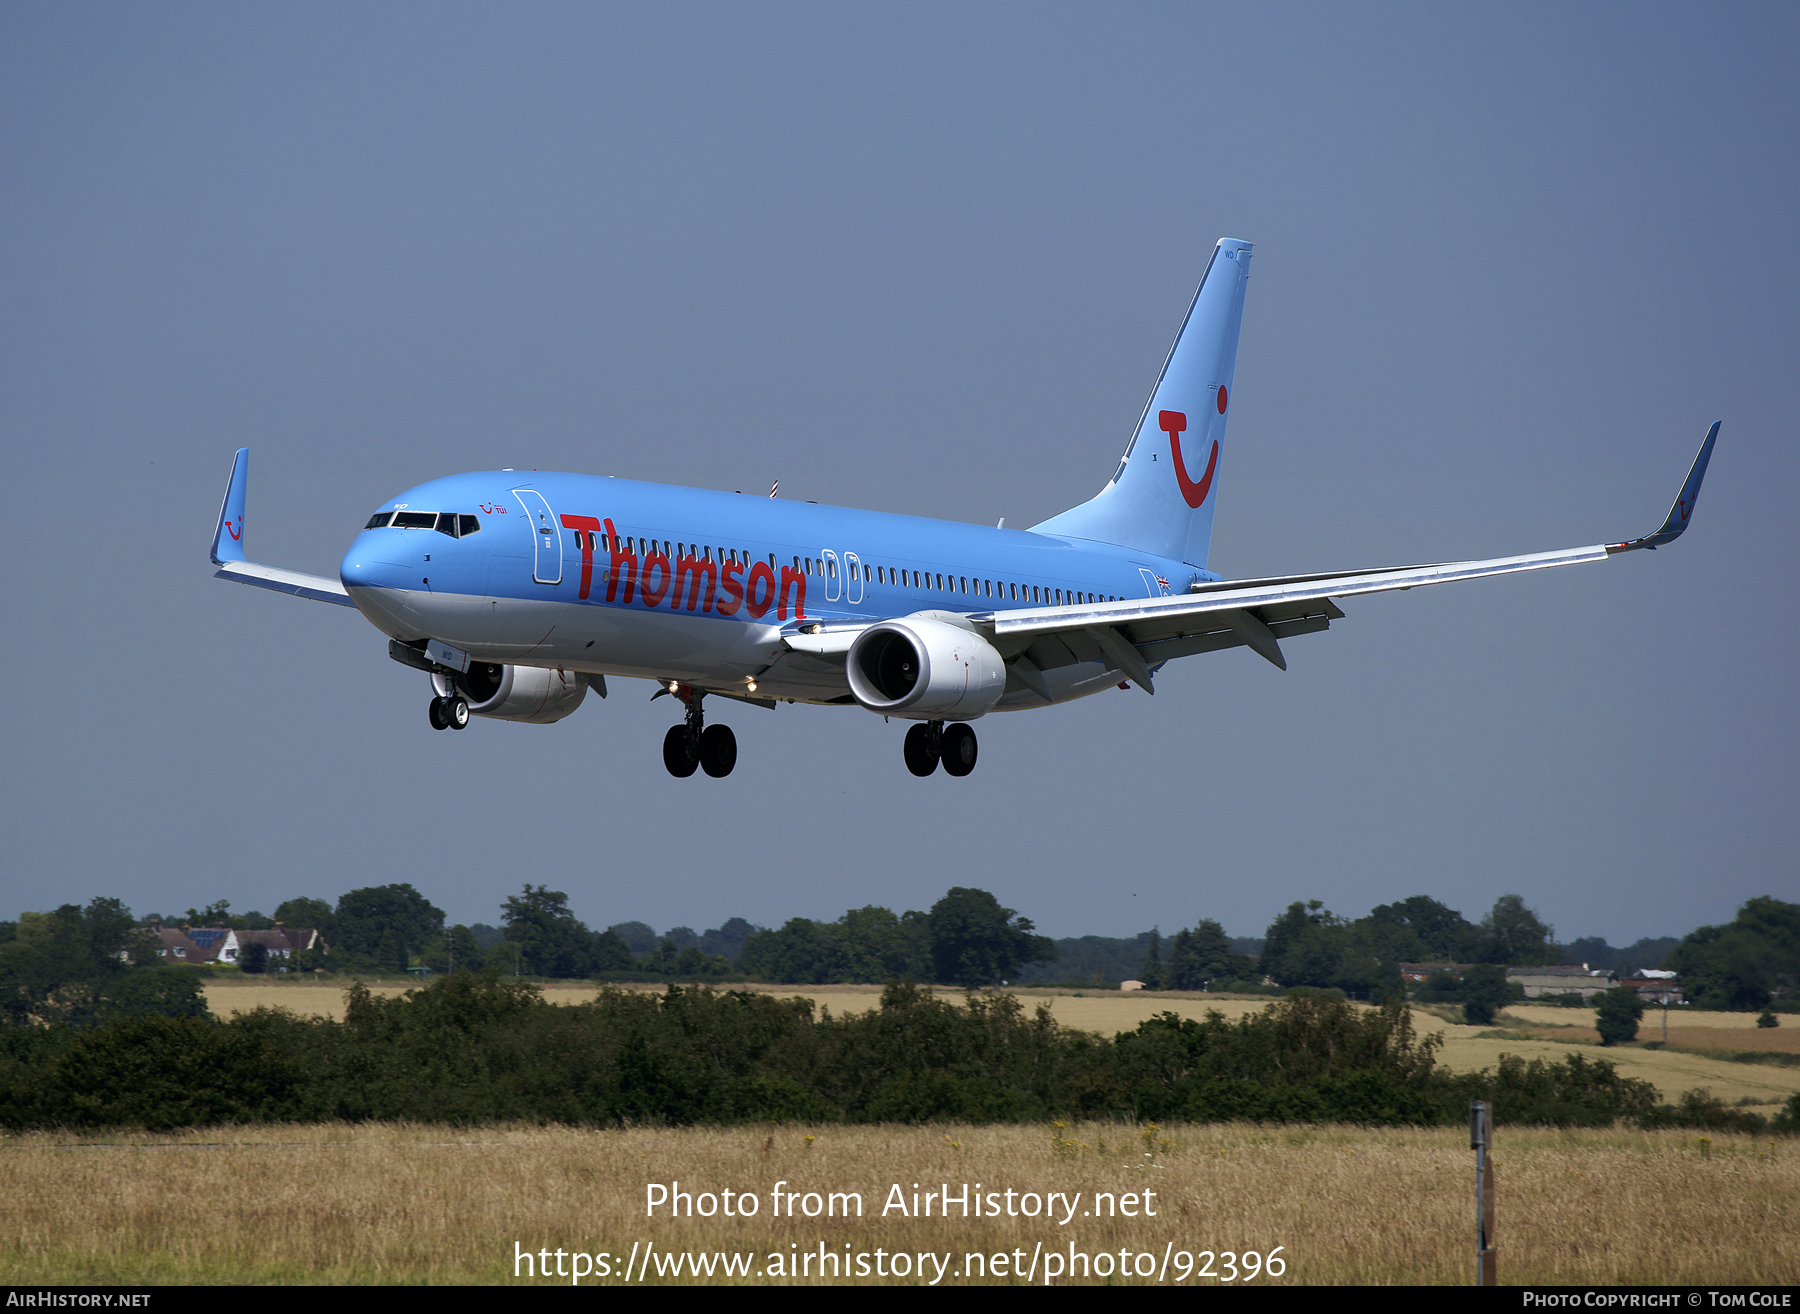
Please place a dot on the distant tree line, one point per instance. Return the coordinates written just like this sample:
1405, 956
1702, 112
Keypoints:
54, 963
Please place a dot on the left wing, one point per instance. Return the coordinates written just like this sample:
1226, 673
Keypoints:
228, 549
1136, 636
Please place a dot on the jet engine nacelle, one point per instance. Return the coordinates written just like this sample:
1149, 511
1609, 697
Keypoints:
925, 669
516, 693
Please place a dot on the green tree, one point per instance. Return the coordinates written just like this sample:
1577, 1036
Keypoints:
552, 941
217, 913
1746, 963
1514, 936
1484, 993
1203, 955
610, 953
639, 937
728, 939
875, 945
1305, 946
156, 992
365, 917
1618, 1014
254, 959
1152, 971
802, 952
976, 942
394, 956
1440, 934
58, 965
312, 914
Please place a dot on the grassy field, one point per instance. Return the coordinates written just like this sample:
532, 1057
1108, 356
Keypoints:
410, 1204
1552, 1030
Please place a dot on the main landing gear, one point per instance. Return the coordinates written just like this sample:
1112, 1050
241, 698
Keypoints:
693, 743
450, 713
931, 742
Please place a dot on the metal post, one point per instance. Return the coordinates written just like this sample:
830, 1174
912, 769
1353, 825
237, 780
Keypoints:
1481, 1136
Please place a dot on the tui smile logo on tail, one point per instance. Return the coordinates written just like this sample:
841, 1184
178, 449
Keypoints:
1174, 423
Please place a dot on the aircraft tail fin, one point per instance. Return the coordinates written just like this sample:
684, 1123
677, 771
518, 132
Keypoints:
1161, 498
228, 537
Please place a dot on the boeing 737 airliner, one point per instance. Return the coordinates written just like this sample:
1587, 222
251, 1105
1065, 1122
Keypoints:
518, 593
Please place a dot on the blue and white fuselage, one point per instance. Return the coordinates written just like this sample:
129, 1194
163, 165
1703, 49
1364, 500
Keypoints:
519, 592
616, 577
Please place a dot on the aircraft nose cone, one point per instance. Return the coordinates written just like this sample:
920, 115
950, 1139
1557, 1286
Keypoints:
361, 570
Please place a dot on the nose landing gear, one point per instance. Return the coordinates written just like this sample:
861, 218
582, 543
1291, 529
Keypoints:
693, 743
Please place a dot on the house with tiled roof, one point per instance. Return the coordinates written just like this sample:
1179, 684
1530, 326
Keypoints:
282, 943
199, 946
187, 946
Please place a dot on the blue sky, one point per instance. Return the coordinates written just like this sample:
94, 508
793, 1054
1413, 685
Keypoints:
1510, 262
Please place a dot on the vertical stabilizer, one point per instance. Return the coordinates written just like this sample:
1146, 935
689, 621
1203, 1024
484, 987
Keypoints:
1161, 498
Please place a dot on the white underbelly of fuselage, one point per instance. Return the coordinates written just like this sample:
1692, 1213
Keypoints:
703, 651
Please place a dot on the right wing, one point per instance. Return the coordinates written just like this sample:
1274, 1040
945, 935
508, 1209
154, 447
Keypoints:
1137, 635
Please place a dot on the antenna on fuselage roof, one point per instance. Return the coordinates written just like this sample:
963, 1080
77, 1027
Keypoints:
774, 488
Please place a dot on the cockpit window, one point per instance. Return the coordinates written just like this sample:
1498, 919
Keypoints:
452, 523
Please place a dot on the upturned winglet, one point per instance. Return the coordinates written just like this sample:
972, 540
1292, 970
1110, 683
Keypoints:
1684, 503
228, 537
228, 550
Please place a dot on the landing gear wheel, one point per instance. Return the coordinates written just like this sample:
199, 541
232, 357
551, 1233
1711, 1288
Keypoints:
957, 748
921, 750
718, 750
675, 752
456, 712
438, 721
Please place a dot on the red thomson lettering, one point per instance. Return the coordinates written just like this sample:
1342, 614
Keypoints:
584, 527
757, 601
728, 586
626, 558
658, 562
692, 567
791, 576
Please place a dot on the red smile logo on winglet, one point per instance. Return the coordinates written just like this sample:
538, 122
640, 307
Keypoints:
1174, 423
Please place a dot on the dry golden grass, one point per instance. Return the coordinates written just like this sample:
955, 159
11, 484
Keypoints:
1551, 1015
385, 1204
